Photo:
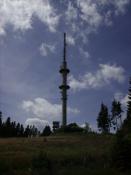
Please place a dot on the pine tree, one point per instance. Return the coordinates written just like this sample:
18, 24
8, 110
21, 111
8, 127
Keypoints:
103, 120
122, 148
126, 128
21, 130
119, 112
46, 131
8, 122
129, 102
18, 129
27, 131
0, 123
116, 114
0, 119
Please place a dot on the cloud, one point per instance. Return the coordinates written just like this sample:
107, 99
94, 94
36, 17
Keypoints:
85, 53
122, 98
89, 12
70, 40
45, 49
20, 13
104, 76
71, 12
92, 14
38, 123
120, 6
43, 109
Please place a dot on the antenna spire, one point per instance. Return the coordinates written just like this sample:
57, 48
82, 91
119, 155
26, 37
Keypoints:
64, 47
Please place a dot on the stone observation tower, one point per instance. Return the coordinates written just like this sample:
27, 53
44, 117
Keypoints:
64, 87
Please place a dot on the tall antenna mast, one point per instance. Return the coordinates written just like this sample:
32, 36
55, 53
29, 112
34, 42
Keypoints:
64, 56
64, 71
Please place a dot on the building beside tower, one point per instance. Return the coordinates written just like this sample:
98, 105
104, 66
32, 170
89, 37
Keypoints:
64, 71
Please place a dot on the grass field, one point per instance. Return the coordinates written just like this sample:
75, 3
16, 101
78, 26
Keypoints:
57, 155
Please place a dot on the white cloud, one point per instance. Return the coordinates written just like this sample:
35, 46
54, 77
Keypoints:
71, 13
45, 49
105, 75
120, 6
122, 98
70, 40
20, 13
88, 15
78, 14
85, 53
43, 109
38, 123
107, 19
89, 12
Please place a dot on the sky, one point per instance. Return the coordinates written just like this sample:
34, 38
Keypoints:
31, 52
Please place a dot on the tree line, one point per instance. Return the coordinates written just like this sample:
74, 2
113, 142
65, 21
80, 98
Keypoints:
107, 121
121, 155
13, 129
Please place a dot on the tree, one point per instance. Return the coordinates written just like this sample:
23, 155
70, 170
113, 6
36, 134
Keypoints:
8, 122
7, 128
21, 130
12, 129
116, 114
0, 119
46, 131
129, 102
119, 111
122, 148
126, 127
27, 131
0, 123
18, 129
103, 120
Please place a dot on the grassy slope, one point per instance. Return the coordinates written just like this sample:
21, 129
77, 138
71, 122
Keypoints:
61, 154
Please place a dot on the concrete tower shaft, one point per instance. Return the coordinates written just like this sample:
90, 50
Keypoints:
64, 87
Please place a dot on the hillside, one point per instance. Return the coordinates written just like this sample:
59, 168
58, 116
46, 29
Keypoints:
61, 154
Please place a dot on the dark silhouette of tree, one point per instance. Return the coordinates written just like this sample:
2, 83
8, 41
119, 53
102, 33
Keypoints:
12, 129
21, 130
7, 128
18, 129
33, 131
129, 102
8, 122
0, 123
122, 147
126, 127
103, 120
46, 131
119, 110
27, 131
0, 118
116, 111
114, 115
